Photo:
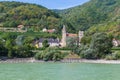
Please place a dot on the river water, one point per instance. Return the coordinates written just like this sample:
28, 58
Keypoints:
59, 71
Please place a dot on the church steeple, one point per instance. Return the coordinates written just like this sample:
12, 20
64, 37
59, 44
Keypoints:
63, 36
80, 35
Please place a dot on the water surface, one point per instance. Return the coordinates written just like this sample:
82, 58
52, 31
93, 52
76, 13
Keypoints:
59, 71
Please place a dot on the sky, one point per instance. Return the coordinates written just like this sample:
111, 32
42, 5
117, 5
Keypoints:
54, 4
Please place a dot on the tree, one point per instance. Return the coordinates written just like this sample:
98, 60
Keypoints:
3, 50
50, 54
86, 40
73, 45
23, 51
45, 44
16, 46
9, 46
101, 45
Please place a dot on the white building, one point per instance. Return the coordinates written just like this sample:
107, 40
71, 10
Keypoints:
52, 42
116, 42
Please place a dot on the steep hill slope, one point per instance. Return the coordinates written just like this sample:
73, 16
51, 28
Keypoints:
98, 15
14, 13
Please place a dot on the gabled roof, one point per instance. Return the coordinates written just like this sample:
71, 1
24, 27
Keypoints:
50, 40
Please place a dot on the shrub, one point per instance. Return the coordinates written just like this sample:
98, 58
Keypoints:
117, 55
102, 44
45, 44
116, 48
88, 54
50, 54
113, 56
38, 56
110, 57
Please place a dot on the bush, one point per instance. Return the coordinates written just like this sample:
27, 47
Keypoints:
117, 55
45, 44
101, 43
116, 48
38, 55
88, 54
110, 57
113, 56
50, 54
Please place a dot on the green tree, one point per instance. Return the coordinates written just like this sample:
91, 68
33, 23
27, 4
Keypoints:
50, 54
23, 51
9, 46
45, 44
73, 45
101, 44
86, 40
3, 50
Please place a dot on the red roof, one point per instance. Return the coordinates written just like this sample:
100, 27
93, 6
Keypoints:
20, 26
51, 30
71, 35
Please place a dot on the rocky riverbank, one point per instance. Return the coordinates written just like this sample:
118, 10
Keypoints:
32, 60
92, 61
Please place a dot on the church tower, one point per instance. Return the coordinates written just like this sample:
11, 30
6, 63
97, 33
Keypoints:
80, 35
63, 41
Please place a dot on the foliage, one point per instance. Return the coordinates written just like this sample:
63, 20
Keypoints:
114, 56
99, 47
101, 44
45, 44
73, 44
9, 47
32, 16
117, 55
2, 48
50, 54
15, 13
88, 54
23, 51
86, 40
98, 15
115, 48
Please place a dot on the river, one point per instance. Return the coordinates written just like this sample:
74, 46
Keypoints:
59, 71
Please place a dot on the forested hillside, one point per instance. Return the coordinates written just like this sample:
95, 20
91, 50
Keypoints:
15, 13
95, 15
35, 16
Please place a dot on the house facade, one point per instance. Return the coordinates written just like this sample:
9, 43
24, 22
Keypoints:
51, 41
115, 42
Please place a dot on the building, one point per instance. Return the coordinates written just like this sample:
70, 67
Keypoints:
116, 42
66, 36
48, 30
57, 42
51, 41
80, 36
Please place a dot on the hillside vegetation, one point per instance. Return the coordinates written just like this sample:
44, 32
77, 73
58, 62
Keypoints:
14, 13
95, 15
33, 16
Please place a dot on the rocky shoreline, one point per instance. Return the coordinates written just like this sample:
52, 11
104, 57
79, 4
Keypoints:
32, 60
